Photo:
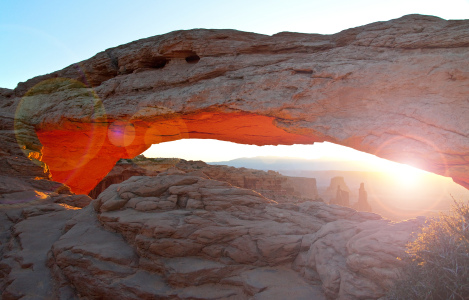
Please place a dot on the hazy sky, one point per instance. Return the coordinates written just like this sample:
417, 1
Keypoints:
39, 37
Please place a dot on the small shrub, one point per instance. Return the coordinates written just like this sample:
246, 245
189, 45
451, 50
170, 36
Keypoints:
438, 260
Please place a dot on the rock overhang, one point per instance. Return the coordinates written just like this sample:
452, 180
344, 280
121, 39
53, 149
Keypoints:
395, 89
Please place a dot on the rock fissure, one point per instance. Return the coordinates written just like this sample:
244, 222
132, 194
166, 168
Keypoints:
431, 124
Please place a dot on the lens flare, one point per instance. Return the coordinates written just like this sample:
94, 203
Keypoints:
121, 133
33, 130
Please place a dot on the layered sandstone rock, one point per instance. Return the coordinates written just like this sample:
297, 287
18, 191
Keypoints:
396, 89
178, 235
22, 174
182, 236
270, 184
126, 168
28, 231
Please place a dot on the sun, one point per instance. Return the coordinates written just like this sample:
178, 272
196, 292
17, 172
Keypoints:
405, 175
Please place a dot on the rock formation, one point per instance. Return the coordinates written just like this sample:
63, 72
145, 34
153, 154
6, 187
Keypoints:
342, 198
289, 88
271, 184
362, 203
185, 236
138, 166
181, 236
337, 184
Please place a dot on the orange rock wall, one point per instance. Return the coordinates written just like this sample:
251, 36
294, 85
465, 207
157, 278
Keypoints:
81, 155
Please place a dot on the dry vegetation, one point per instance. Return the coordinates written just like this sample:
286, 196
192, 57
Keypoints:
438, 260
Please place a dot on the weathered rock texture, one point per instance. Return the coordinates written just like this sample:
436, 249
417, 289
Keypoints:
23, 176
179, 235
138, 166
184, 236
396, 89
270, 184
27, 235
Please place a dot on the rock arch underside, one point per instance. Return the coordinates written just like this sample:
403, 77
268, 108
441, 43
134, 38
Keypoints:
397, 89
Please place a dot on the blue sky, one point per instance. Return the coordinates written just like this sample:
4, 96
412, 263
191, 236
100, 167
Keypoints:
39, 37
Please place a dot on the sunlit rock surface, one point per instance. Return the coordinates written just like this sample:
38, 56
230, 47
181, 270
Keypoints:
182, 236
191, 236
396, 89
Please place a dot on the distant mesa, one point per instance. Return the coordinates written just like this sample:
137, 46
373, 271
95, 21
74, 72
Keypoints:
296, 163
342, 198
342, 195
337, 184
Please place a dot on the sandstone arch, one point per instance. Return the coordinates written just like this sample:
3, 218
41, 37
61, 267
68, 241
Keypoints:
396, 89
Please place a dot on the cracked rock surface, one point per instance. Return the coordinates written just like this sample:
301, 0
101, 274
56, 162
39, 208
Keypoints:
181, 236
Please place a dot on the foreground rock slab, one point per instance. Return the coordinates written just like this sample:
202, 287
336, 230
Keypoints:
181, 236
26, 243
